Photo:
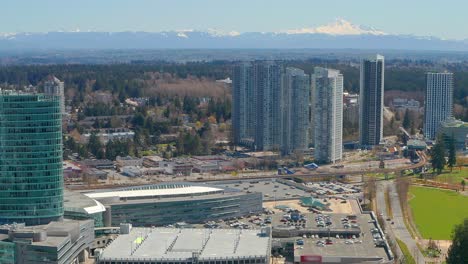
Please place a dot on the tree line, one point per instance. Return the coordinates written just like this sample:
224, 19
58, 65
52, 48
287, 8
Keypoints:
444, 146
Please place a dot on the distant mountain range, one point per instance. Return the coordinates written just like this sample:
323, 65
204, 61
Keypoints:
338, 35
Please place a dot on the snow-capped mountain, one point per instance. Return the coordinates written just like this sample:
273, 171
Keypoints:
339, 27
340, 34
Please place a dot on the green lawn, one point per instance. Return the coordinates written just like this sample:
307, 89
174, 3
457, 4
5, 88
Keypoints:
406, 253
454, 177
436, 211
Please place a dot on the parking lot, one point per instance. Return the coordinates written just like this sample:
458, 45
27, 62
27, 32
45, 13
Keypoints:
274, 190
317, 224
333, 188
341, 245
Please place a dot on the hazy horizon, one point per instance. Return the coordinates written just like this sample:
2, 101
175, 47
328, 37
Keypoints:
396, 17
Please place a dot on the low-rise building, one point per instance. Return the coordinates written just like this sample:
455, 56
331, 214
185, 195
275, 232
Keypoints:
205, 166
128, 161
90, 120
138, 101
403, 103
202, 246
177, 167
416, 144
106, 135
350, 99
169, 203
227, 166
152, 161
131, 171
456, 129
72, 170
95, 174
101, 164
152, 171
62, 242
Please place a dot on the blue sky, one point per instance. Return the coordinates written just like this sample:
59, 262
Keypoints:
447, 18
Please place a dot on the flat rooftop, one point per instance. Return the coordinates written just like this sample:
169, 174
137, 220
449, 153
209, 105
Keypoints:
174, 243
416, 142
58, 233
365, 251
362, 247
310, 226
272, 190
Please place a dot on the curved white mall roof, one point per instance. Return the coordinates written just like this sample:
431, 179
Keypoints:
185, 190
98, 208
77, 202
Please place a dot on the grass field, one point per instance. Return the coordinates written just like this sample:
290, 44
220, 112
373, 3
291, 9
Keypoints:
406, 253
436, 211
454, 177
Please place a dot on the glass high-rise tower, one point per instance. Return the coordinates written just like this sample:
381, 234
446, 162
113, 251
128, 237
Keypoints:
295, 110
31, 175
371, 103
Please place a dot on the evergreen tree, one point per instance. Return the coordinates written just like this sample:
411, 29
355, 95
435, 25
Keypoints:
458, 253
177, 103
94, 145
167, 112
180, 144
71, 144
100, 154
438, 155
138, 120
452, 153
407, 119
110, 150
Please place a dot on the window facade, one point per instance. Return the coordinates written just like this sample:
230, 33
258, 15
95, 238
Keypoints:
7, 252
31, 175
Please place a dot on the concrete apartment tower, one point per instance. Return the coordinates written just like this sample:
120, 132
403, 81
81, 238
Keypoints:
371, 97
295, 110
243, 104
256, 110
270, 109
438, 105
268, 89
328, 115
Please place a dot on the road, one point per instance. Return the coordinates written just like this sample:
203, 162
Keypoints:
345, 170
398, 229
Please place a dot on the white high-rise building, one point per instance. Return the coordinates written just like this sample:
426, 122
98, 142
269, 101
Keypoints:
295, 110
328, 114
438, 102
53, 86
371, 104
